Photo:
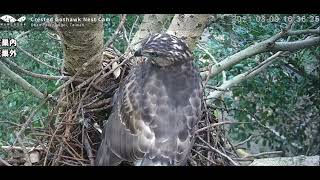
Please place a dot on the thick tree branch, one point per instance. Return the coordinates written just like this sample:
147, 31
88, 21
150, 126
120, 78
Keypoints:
19, 80
296, 45
236, 58
304, 31
264, 46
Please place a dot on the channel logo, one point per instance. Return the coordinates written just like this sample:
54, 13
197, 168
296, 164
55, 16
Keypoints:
10, 19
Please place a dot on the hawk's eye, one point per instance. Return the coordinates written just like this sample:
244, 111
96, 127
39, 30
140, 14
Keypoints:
153, 54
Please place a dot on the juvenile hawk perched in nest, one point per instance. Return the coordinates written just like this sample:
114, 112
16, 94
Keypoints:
156, 108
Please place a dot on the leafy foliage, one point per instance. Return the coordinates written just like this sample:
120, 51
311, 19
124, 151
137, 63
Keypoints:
285, 101
15, 103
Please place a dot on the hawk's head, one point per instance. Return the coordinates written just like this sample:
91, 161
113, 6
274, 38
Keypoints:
164, 50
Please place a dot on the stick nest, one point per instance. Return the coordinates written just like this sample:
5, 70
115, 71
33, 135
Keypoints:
72, 136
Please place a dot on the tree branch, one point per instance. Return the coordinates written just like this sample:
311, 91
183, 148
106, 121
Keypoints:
296, 45
19, 80
43, 76
22, 34
116, 32
36, 59
304, 31
59, 59
262, 154
132, 27
243, 76
224, 75
4, 162
264, 46
218, 124
29, 149
219, 152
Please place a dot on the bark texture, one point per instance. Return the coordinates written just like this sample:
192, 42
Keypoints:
189, 27
288, 161
82, 43
151, 23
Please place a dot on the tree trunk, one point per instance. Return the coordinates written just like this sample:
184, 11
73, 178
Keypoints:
82, 44
189, 27
83, 52
151, 23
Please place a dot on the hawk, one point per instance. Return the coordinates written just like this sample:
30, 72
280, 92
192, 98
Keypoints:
156, 108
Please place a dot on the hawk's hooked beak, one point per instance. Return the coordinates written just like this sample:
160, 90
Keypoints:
138, 52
